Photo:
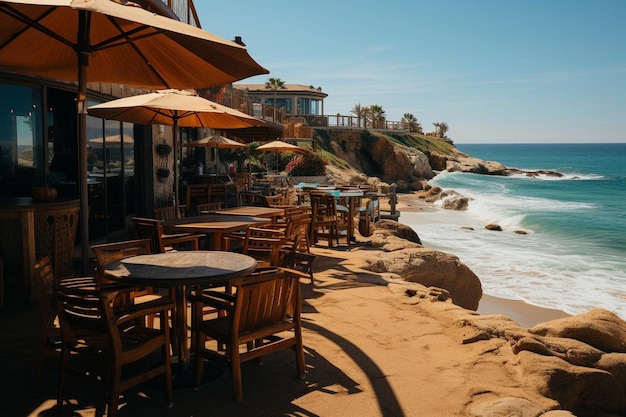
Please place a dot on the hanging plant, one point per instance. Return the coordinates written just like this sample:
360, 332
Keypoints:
163, 149
162, 174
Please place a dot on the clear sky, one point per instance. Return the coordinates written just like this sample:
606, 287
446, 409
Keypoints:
496, 71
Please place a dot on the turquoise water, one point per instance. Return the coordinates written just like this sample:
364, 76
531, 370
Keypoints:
573, 255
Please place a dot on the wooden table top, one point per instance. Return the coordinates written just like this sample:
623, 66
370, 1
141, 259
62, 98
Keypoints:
253, 211
180, 268
207, 223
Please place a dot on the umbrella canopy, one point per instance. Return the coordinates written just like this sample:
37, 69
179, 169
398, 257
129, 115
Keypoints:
113, 140
280, 146
173, 107
216, 142
176, 108
104, 41
124, 44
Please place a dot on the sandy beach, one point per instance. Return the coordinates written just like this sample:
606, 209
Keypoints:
370, 351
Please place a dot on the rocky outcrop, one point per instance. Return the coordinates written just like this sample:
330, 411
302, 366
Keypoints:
577, 364
376, 156
405, 258
475, 165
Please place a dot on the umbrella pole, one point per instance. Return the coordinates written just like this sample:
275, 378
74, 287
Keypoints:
176, 141
83, 62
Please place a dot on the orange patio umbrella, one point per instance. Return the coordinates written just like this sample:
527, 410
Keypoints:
175, 108
280, 146
104, 41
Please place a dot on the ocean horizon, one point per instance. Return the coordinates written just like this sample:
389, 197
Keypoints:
572, 255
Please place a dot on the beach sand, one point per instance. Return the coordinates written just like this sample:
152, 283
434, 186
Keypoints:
369, 351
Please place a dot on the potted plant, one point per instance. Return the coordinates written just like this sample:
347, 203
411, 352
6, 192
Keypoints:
163, 149
163, 174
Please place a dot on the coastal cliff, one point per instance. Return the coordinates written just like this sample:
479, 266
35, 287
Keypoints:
408, 160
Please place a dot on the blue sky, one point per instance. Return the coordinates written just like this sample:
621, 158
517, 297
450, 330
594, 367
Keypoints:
496, 71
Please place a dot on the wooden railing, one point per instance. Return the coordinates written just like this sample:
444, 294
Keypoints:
342, 121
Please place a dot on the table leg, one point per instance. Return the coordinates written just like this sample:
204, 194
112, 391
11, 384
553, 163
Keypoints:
351, 201
180, 324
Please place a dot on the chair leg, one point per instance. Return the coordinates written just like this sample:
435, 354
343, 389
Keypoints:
169, 398
62, 380
114, 390
299, 349
235, 370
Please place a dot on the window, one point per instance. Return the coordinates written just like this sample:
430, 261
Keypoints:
22, 164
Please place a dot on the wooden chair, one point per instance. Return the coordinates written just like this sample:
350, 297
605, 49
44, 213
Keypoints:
208, 207
326, 222
263, 315
109, 252
97, 343
170, 212
272, 200
49, 339
196, 194
296, 253
217, 193
160, 242
368, 215
243, 180
264, 245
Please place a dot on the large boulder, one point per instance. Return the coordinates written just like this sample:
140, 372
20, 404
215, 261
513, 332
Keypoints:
475, 165
405, 257
599, 328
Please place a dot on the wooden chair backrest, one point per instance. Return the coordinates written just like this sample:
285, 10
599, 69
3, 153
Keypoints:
297, 232
152, 230
216, 205
263, 301
169, 212
217, 192
243, 180
324, 207
109, 252
264, 245
272, 200
196, 194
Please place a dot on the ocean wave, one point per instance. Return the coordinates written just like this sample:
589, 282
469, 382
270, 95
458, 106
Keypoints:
563, 176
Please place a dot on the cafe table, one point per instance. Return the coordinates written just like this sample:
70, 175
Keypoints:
179, 270
353, 196
253, 211
214, 224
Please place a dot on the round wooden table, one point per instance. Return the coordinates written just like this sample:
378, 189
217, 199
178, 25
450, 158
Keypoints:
179, 270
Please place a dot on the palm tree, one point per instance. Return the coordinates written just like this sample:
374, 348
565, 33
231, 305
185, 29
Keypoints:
360, 113
377, 115
411, 123
437, 129
443, 129
275, 84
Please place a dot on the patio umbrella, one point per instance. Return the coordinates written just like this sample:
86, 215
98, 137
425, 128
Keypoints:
216, 142
280, 146
104, 41
176, 108
112, 140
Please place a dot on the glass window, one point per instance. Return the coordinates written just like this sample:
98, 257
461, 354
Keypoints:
22, 163
281, 103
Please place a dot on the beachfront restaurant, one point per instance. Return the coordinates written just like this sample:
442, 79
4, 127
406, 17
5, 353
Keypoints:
40, 174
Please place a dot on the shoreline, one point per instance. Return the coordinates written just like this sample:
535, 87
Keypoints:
523, 313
